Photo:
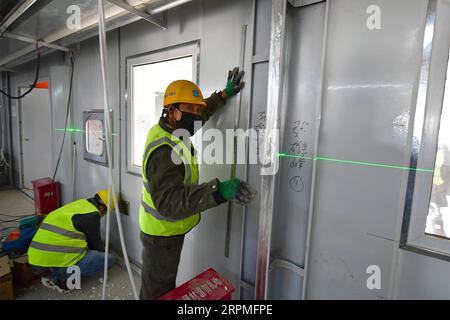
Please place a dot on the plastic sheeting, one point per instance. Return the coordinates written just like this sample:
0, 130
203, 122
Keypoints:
271, 144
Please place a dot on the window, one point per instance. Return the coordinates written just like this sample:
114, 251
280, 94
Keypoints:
148, 77
426, 215
438, 219
94, 137
94, 142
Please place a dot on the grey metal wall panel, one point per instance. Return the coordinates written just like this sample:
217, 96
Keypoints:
422, 277
262, 28
59, 92
370, 79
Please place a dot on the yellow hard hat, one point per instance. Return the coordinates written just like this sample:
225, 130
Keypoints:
183, 91
103, 194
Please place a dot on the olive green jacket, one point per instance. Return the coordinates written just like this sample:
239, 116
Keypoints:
171, 197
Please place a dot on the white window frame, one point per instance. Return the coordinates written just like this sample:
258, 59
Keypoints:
175, 52
425, 134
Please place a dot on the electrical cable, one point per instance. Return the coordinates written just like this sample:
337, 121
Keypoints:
12, 220
6, 228
72, 60
36, 79
17, 218
9, 215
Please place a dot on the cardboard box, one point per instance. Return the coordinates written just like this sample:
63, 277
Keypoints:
6, 280
4, 266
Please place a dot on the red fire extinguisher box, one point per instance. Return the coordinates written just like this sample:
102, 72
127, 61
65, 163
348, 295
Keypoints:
46, 195
208, 285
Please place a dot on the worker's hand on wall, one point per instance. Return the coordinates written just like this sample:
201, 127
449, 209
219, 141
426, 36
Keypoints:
234, 83
237, 190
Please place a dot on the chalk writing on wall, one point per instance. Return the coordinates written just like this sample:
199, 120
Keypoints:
299, 149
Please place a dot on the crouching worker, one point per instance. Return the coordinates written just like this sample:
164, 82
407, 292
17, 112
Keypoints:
70, 236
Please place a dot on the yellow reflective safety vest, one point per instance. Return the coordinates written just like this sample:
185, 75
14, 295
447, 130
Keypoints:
150, 220
57, 243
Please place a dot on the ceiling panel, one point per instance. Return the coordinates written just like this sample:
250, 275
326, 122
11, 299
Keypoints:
53, 17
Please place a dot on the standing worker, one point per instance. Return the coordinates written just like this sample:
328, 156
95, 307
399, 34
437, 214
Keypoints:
70, 236
172, 199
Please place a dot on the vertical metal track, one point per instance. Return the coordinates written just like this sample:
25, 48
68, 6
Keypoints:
316, 148
74, 157
249, 77
236, 126
271, 141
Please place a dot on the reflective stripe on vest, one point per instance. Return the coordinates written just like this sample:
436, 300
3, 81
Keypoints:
156, 214
62, 231
55, 248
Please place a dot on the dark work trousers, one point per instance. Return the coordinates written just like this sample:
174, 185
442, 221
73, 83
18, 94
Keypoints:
160, 259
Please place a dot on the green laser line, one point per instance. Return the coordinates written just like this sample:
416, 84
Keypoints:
371, 164
75, 130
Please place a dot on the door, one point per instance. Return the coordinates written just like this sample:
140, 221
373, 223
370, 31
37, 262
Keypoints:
35, 117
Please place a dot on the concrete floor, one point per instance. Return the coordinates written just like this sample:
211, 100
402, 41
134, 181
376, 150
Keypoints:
15, 203
117, 288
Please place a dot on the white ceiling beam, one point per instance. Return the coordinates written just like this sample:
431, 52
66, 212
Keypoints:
139, 13
40, 43
15, 14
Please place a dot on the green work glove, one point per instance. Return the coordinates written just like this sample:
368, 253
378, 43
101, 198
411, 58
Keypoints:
234, 83
237, 190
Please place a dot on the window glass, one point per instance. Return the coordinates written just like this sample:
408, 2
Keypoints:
149, 81
94, 137
438, 219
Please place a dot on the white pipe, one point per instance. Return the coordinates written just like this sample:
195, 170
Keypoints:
24, 6
316, 146
169, 6
108, 227
111, 187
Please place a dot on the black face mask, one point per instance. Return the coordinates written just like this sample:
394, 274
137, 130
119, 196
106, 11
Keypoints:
187, 121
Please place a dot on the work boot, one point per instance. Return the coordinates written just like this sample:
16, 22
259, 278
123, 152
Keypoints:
59, 285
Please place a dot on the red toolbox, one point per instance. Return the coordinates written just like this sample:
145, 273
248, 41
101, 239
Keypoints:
46, 195
208, 285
